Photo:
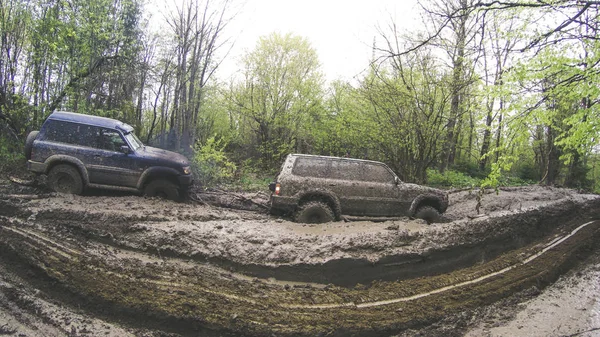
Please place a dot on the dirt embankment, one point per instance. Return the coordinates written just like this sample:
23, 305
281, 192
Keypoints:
183, 268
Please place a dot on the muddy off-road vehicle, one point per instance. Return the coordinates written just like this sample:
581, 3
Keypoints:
79, 151
316, 189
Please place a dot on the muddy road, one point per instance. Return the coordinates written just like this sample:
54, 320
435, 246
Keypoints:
98, 265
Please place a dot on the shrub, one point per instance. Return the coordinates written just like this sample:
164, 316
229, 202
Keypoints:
10, 161
451, 179
211, 164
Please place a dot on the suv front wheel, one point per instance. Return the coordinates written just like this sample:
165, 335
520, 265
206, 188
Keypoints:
65, 179
314, 212
163, 189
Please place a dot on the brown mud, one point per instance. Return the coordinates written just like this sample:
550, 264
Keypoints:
125, 265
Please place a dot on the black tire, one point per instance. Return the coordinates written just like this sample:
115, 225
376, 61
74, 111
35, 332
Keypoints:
428, 213
29, 143
65, 179
163, 189
314, 212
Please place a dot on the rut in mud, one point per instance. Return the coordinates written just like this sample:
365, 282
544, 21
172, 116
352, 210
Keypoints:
188, 268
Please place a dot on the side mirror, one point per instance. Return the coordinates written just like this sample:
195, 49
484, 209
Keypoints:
125, 149
397, 180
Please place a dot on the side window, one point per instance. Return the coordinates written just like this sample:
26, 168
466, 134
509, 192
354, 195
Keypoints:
346, 170
311, 167
61, 132
87, 135
110, 140
378, 173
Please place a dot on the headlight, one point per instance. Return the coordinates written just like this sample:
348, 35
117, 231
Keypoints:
187, 170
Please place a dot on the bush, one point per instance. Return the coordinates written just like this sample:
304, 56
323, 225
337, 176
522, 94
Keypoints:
451, 179
249, 177
527, 171
10, 161
470, 169
211, 165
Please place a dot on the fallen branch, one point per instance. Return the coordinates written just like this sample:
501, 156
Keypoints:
23, 182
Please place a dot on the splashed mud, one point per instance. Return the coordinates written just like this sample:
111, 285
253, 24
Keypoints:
118, 265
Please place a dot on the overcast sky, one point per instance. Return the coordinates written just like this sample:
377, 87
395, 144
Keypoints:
342, 31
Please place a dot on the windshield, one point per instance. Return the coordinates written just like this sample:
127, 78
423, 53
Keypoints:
133, 140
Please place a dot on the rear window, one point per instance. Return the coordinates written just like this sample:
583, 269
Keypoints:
70, 133
83, 135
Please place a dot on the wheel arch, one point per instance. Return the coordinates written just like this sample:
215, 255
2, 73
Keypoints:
327, 197
426, 200
58, 159
152, 173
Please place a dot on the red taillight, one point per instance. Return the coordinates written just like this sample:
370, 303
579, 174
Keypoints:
277, 188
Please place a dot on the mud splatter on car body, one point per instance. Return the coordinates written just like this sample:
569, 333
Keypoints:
323, 186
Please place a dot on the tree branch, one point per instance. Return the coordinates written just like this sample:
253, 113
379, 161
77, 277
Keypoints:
75, 80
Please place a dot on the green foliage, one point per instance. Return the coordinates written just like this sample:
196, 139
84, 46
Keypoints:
94, 57
252, 182
211, 164
594, 172
456, 179
451, 179
528, 171
279, 99
11, 161
469, 168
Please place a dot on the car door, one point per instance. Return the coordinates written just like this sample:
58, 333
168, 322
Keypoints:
381, 190
108, 165
345, 181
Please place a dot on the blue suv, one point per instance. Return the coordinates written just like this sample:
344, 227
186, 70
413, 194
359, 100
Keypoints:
79, 151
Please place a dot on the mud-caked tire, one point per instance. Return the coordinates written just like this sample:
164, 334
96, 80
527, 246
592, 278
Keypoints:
29, 143
65, 178
314, 212
428, 213
163, 189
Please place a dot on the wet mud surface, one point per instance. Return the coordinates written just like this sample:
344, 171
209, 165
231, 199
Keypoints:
99, 265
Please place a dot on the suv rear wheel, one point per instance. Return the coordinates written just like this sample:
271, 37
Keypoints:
65, 179
163, 189
428, 213
314, 212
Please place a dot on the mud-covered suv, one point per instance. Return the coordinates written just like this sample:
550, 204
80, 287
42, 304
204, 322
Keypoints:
319, 189
78, 151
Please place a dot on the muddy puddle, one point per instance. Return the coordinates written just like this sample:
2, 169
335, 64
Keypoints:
149, 267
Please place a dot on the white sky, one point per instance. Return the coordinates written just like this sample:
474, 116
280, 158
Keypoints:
342, 32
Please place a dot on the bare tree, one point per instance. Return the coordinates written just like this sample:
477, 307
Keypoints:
497, 49
13, 37
197, 28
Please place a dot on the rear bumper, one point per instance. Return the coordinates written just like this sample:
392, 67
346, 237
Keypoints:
281, 204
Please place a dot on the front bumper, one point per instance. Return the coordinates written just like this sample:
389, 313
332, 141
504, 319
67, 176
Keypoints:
186, 180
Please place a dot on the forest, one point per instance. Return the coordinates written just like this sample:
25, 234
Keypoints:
484, 93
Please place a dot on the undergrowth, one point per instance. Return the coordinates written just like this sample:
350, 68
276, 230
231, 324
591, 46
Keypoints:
456, 179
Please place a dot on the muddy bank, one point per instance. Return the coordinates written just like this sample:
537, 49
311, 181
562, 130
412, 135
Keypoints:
161, 268
343, 253
186, 296
569, 307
